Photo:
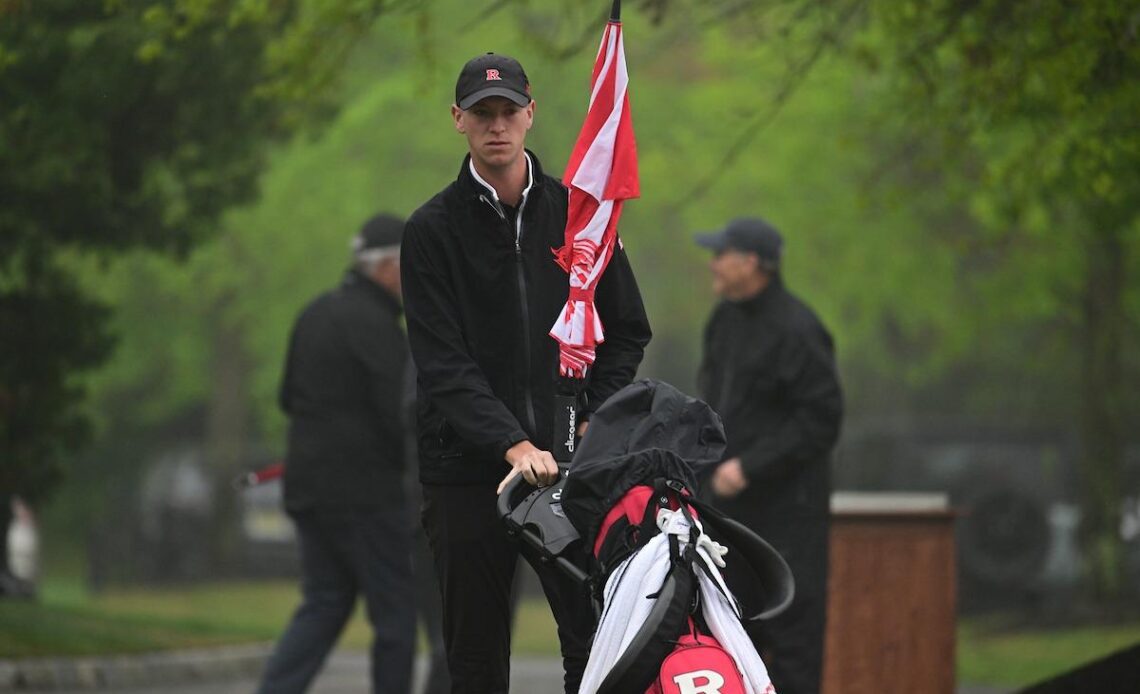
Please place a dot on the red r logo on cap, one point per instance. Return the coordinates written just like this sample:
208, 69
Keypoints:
493, 74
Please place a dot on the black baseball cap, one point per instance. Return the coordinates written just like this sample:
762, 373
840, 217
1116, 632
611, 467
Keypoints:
381, 231
747, 234
491, 74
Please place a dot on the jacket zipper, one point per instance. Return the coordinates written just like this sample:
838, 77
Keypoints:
524, 309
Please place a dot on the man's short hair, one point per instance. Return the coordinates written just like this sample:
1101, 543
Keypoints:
378, 238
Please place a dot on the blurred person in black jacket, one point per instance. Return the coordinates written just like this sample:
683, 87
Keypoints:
482, 290
769, 370
342, 390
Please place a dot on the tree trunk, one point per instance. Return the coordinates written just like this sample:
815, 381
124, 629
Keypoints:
227, 437
1101, 418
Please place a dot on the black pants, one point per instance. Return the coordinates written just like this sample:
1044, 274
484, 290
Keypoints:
345, 552
792, 643
428, 606
475, 560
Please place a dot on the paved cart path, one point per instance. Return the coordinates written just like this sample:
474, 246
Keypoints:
347, 673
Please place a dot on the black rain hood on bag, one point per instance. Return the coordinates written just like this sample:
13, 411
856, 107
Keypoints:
652, 436
646, 430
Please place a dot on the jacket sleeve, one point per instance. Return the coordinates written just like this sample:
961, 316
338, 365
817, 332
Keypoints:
627, 332
285, 391
456, 384
806, 372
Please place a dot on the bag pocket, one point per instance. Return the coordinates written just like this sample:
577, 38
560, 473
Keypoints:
698, 665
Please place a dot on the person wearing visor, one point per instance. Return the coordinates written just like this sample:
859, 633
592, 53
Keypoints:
768, 370
482, 289
344, 470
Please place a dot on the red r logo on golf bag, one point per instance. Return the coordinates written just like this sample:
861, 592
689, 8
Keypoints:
699, 682
698, 665
493, 74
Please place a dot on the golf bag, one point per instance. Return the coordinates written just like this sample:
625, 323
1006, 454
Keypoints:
625, 521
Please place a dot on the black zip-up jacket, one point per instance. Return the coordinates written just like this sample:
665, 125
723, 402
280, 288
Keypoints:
342, 390
481, 292
769, 371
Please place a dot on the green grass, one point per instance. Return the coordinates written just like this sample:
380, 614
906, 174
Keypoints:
534, 632
69, 621
1017, 658
29, 630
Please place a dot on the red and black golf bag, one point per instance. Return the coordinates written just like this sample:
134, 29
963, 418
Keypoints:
672, 577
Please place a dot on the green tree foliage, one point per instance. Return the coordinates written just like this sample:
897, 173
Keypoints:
957, 182
393, 146
1033, 107
126, 124
1022, 115
39, 420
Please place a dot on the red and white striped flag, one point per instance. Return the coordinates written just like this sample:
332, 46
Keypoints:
602, 172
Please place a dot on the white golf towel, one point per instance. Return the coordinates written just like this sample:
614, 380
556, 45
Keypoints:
627, 605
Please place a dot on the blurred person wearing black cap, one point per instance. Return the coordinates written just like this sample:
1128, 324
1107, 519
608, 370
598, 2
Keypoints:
482, 290
344, 467
769, 370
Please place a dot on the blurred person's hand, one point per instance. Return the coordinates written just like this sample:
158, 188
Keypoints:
536, 466
728, 479
582, 426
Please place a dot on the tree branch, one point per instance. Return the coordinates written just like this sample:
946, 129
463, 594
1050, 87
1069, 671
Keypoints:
792, 81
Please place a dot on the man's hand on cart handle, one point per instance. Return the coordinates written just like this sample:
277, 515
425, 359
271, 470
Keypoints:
536, 466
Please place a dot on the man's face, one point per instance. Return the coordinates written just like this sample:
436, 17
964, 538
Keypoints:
496, 130
386, 273
734, 273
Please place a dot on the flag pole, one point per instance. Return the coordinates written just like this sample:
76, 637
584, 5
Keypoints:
592, 223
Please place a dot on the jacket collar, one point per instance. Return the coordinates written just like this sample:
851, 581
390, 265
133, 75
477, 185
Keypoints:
474, 186
353, 279
764, 299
